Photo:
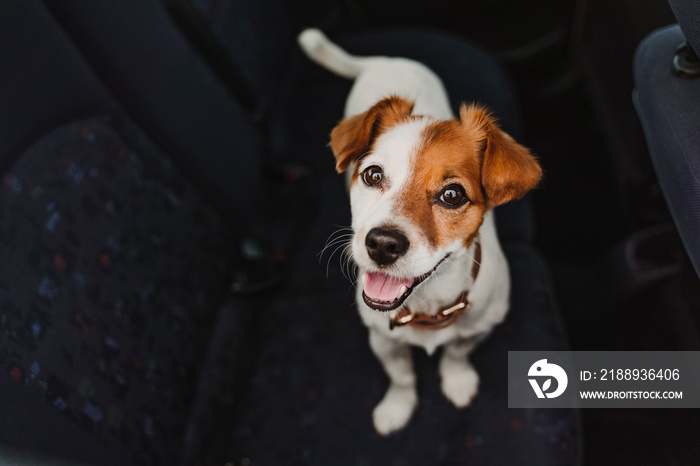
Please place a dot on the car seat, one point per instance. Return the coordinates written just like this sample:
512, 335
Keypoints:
667, 98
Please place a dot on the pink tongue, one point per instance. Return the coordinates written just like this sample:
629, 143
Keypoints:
380, 287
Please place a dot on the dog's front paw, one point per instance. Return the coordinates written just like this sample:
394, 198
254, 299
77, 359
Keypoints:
460, 383
395, 409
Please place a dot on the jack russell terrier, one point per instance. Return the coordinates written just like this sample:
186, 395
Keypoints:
423, 185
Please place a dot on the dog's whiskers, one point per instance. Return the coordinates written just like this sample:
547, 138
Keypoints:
336, 237
422, 303
336, 241
473, 258
328, 263
339, 240
348, 266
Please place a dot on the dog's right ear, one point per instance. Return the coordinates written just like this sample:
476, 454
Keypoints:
353, 136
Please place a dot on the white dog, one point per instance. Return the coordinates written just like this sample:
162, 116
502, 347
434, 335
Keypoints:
422, 188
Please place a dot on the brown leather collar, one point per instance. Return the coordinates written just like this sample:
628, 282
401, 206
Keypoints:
443, 318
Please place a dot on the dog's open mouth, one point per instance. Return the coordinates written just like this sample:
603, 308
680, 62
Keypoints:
383, 292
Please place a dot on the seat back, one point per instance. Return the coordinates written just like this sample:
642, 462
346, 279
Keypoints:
687, 12
256, 42
668, 105
165, 86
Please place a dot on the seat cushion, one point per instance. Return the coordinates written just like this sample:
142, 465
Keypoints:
317, 382
669, 109
111, 274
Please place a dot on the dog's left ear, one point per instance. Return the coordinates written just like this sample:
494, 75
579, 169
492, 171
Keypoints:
353, 136
508, 170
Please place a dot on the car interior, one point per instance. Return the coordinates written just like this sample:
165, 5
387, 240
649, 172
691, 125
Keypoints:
173, 282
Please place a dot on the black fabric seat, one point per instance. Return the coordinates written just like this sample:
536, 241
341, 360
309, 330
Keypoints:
316, 382
668, 107
129, 173
114, 269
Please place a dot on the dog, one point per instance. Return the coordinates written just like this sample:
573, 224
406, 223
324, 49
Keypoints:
423, 185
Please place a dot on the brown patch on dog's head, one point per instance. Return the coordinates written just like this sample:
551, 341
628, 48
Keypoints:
354, 136
474, 154
448, 156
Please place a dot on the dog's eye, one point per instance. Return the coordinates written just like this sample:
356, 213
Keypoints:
373, 176
453, 196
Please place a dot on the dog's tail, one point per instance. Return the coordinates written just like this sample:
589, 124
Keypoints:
324, 52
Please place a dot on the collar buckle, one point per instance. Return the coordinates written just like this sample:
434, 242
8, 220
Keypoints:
445, 317
442, 319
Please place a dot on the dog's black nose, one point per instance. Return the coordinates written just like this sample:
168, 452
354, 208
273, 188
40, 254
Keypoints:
385, 245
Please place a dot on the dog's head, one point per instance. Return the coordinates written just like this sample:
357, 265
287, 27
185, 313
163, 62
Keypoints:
420, 188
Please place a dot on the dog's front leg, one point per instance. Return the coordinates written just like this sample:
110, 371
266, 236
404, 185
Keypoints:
459, 379
400, 400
